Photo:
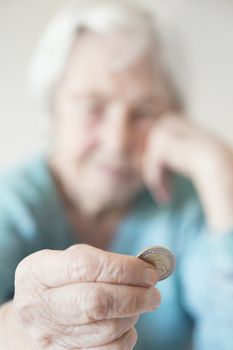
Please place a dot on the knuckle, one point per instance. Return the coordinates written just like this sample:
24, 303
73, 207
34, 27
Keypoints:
98, 304
115, 274
83, 263
21, 271
112, 330
122, 326
25, 268
76, 248
137, 301
127, 306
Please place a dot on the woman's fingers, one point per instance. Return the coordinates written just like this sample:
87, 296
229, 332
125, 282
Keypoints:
95, 334
168, 150
83, 263
84, 303
160, 185
57, 295
125, 342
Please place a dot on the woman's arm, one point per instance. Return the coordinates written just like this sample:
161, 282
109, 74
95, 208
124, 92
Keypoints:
178, 145
206, 262
206, 277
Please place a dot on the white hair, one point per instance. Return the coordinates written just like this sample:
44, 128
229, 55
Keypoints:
99, 16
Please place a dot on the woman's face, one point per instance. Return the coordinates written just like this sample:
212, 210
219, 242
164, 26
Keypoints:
103, 116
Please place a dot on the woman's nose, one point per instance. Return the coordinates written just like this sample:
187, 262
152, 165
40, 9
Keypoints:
116, 134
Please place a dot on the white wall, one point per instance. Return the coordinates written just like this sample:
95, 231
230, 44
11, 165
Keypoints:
203, 55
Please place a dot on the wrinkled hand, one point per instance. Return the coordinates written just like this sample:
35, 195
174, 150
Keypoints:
83, 297
178, 145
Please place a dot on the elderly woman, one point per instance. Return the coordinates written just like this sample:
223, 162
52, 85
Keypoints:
74, 219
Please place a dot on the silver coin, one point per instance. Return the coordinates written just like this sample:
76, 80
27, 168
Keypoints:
161, 258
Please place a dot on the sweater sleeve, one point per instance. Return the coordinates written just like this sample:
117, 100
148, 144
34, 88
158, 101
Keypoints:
12, 250
31, 218
206, 274
17, 237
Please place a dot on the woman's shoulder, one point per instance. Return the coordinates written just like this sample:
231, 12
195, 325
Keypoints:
30, 205
26, 192
26, 180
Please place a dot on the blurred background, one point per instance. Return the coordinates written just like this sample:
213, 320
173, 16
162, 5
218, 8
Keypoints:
198, 35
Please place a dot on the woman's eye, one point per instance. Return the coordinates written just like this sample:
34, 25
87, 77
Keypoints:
89, 108
95, 107
144, 113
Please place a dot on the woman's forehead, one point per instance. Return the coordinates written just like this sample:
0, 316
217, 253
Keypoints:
96, 59
114, 54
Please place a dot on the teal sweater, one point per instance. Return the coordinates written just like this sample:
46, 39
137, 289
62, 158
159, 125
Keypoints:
197, 300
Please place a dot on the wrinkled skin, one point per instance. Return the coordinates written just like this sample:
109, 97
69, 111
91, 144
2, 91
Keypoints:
83, 297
